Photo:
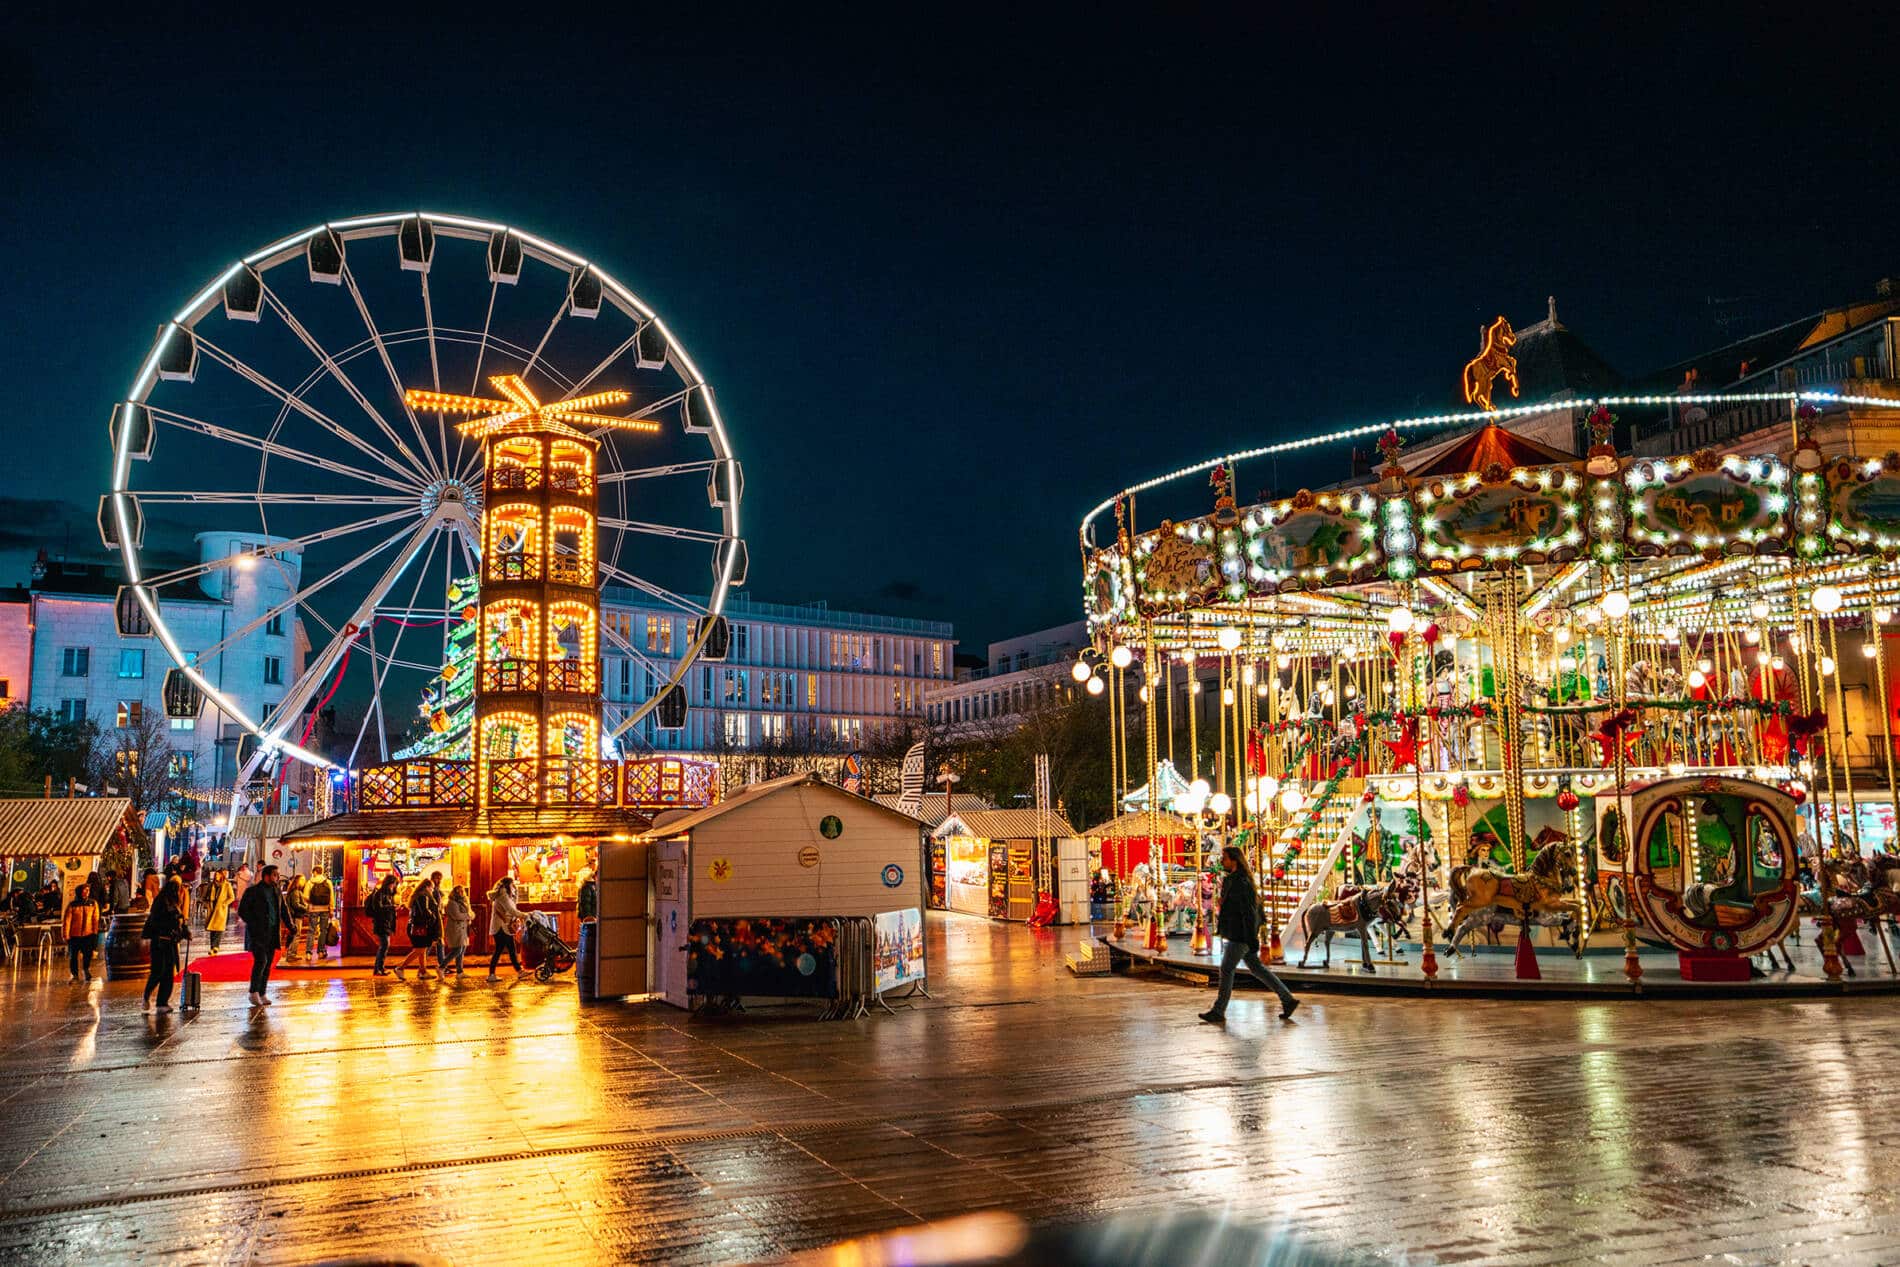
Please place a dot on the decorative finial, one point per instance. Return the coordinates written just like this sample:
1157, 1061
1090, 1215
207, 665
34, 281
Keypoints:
1551, 316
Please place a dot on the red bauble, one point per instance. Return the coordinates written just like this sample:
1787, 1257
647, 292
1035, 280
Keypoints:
1799, 794
1279, 873
1568, 800
1397, 640
1431, 634
1461, 796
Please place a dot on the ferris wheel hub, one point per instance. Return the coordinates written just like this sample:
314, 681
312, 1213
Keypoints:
451, 492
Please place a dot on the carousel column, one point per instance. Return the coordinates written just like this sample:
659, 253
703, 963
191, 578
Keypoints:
1155, 940
1878, 617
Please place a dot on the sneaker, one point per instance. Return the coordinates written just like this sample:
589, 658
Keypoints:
423, 974
72, 978
148, 1004
493, 977
1214, 1018
164, 1007
264, 999
400, 976
1292, 1006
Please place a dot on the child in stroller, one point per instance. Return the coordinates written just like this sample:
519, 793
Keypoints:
547, 953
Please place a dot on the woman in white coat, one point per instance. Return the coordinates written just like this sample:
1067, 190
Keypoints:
503, 918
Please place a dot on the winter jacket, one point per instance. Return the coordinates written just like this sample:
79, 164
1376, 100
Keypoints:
1239, 919
456, 917
163, 925
82, 920
261, 909
423, 912
589, 902
318, 896
382, 912
218, 906
502, 911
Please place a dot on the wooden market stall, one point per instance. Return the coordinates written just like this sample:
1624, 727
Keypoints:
990, 861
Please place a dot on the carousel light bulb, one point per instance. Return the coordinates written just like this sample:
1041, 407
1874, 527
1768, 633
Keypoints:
1195, 687
1616, 604
1283, 661
1672, 633
1591, 615
1227, 695
1247, 676
1267, 784
1869, 650
1759, 609
1219, 804
1261, 690
1081, 671
1121, 657
1253, 802
1326, 695
1291, 800
1777, 664
1143, 694
1199, 789
1882, 615
1352, 692
1705, 664
1826, 600
1751, 636
1400, 620
1228, 638
1187, 655
1095, 686
1827, 666
1796, 643
1676, 767
1697, 679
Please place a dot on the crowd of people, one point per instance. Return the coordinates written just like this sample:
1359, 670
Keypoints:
295, 915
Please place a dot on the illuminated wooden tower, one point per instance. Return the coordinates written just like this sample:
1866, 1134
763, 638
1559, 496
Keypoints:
537, 664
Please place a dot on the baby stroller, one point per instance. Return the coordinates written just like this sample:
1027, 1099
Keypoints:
547, 954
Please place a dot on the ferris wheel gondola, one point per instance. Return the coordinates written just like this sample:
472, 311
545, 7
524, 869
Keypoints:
270, 444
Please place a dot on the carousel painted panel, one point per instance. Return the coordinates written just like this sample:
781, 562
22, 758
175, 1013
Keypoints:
1501, 519
1105, 588
1310, 540
1708, 865
1705, 504
1864, 506
1176, 567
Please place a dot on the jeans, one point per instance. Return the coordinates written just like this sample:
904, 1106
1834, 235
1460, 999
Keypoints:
164, 968
313, 933
452, 958
217, 937
76, 947
260, 969
382, 950
503, 941
1231, 957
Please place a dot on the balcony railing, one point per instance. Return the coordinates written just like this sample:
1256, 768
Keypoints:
650, 783
515, 565
577, 677
511, 675
513, 478
425, 783
570, 569
514, 783
580, 781
571, 482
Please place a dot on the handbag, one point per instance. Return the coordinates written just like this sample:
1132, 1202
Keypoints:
330, 935
418, 932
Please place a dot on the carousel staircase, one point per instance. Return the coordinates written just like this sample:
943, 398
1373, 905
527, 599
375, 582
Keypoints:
1089, 960
1282, 897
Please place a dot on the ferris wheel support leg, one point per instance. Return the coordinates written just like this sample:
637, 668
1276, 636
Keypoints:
318, 671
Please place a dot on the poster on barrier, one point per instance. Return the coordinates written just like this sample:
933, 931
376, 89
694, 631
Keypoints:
763, 957
897, 948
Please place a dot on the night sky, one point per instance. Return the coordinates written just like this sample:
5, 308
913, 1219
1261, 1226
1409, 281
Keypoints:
957, 280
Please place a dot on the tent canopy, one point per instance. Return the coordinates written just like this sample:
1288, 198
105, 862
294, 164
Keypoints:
35, 827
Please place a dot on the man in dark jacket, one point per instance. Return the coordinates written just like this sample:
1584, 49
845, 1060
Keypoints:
262, 911
1239, 927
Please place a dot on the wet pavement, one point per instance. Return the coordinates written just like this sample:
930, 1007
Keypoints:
506, 1123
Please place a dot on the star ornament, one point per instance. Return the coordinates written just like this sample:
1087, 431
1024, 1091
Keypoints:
521, 411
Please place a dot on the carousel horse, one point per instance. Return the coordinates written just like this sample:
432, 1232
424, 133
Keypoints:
1845, 877
1355, 910
1141, 894
1494, 361
1549, 887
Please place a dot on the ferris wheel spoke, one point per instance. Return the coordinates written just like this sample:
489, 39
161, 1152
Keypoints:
652, 590
275, 549
389, 366
185, 422
273, 388
661, 530
656, 472
381, 675
168, 497
546, 334
303, 595
609, 359
661, 672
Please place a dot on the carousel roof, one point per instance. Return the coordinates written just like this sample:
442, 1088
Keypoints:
1137, 825
1490, 443
1171, 783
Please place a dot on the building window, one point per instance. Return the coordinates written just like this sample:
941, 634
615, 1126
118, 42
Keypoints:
72, 710
660, 634
741, 641
6, 689
273, 670
936, 659
265, 713
181, 765
131, 713
275, 625
736, 730
653, 683
811, 690
771, 726
75, 661
131, 662
184, 723
705, 686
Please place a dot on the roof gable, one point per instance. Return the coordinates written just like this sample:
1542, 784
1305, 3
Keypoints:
757, 792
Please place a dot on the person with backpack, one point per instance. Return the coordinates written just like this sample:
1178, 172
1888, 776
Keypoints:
261, 909
425, 929
320, 899
383, 909
82, 931
165, 928
296, 916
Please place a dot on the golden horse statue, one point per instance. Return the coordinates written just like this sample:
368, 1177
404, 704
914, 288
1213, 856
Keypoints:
1493, 359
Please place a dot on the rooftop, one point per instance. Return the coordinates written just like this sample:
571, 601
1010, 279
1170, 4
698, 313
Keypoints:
817, 613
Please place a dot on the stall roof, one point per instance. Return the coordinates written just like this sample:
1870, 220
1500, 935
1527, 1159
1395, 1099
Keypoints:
1137, 825
38, 827
1001, 824
756, 792
269, 826
933, 808
420, 824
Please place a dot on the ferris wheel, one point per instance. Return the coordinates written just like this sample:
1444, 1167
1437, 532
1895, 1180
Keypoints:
267, 450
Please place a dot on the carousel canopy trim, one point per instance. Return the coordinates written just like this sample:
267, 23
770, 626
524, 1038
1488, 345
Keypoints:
1490, 445
442, 824
1140, 825
37, 827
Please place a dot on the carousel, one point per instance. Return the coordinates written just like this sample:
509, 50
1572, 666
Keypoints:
1621, 706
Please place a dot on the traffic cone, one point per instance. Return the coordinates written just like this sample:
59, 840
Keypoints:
1526, 958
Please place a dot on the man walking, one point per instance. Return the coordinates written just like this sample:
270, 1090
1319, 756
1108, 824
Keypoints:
1239, 927
320, 901
262, 910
